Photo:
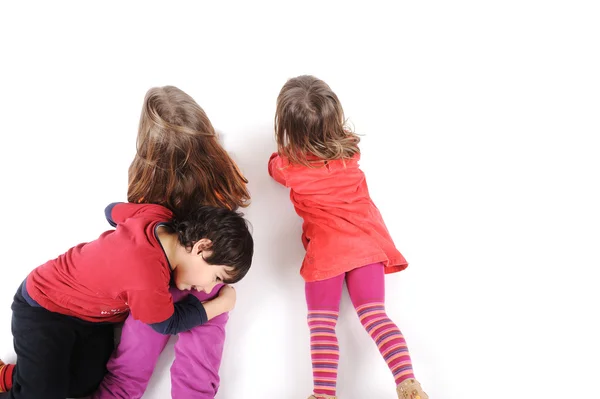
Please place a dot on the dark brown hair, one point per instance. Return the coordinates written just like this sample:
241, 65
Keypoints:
179, 162
310, 122
232, 244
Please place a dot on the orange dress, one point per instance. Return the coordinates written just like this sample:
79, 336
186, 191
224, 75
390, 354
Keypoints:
342, 229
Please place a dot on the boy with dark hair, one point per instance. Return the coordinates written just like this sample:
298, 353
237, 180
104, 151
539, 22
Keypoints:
63, 314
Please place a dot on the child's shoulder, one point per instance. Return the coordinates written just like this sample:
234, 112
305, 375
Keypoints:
121, 211
295, 175
320, 166
321, 172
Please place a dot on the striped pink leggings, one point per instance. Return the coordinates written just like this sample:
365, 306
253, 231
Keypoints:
367, 292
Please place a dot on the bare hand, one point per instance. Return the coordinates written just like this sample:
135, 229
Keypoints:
228, 296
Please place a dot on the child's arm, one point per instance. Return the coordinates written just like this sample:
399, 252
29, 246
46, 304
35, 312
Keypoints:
187, 314
223, 303
190, 312
276, 169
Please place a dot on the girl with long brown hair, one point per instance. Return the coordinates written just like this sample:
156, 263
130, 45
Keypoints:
180, 164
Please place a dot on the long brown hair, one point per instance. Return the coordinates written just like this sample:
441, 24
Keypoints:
179, 162
310, 122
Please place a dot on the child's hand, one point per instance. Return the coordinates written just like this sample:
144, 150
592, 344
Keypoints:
223, 303
228, 296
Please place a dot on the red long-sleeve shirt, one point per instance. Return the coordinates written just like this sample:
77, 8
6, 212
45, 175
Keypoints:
342, 227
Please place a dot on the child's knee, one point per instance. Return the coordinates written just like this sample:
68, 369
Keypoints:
322, 318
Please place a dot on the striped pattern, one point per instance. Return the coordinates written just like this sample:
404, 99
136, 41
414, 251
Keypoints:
388, 338
324, 350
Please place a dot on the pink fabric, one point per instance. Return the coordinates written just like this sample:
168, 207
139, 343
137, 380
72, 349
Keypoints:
195, 370
365, 284
366, 287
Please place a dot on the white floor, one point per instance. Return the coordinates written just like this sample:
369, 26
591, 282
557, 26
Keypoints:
480, 148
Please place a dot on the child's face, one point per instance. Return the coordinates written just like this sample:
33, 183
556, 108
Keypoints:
192, 271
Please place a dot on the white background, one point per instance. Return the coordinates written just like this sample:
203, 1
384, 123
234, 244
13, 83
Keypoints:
481, 125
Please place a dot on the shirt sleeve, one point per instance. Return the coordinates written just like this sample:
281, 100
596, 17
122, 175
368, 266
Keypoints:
276, 170
118, 212
188, 313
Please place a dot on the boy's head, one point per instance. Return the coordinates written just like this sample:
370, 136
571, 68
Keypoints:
215, 247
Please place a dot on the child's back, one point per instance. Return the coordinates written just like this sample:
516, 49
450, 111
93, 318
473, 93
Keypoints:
97, 281
343, 228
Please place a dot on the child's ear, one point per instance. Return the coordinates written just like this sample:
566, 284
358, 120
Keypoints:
204, 244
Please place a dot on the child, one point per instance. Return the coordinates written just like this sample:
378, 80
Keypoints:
343, 232
179, 164
63, 314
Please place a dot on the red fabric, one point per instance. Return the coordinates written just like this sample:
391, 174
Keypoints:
123, 270
6, 377
342, 227
2, 383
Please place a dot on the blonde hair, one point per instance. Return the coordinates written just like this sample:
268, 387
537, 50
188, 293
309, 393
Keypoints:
179, 162
309, 121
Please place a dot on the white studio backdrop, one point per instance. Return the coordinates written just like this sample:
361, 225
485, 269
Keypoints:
480, 128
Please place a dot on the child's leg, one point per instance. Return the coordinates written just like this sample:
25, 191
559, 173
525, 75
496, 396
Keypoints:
43, 342
132, 363
92, 350
367, 290
323, 300
198, 353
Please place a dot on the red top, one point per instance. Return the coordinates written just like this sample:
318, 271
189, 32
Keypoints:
342, 227
123, 270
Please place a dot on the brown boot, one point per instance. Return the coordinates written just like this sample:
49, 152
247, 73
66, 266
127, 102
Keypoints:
411, 389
